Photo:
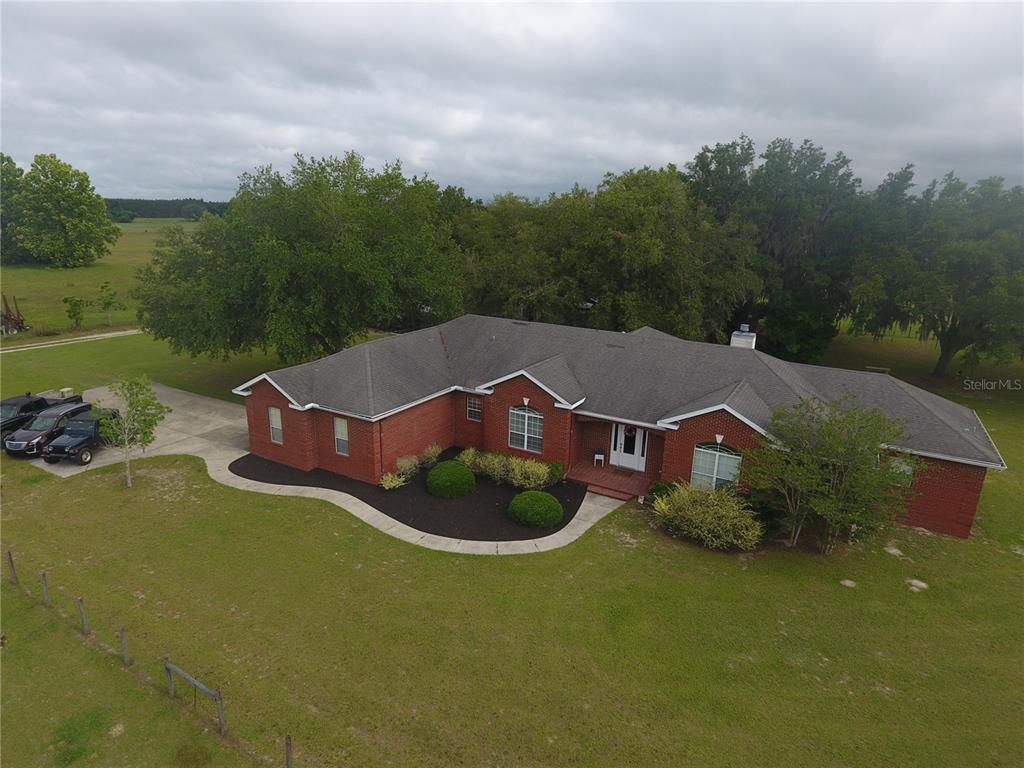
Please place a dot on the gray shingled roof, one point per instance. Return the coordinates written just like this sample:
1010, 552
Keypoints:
645, 376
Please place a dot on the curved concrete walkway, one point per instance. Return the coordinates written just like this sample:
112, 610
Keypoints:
216, 432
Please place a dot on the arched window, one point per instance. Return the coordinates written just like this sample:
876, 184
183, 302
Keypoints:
525, 429
714, 466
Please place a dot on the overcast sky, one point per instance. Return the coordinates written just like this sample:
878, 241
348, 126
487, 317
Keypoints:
174, 100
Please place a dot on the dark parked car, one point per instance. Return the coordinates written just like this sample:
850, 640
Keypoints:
16, 412
48, 425
82, 436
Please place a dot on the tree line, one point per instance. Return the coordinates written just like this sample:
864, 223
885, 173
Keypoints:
124, 210
785, 240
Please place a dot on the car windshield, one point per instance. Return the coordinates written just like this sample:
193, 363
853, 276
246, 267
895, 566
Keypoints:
79, 428
6, 411
42, 423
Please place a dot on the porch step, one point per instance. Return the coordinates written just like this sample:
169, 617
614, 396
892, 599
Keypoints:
610, 492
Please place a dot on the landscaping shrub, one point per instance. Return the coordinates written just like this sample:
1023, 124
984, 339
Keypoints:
430, 455
717, 519
659, 489
502, 468
471, 458
537, 509
407, 466
393, 480
527, 473
494, 465
450, 479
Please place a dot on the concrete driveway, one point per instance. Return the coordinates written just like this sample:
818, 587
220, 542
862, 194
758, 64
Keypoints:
197, 425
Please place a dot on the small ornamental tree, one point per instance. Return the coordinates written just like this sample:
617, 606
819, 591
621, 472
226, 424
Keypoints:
830, 466
75, 310
107, 301
139, 415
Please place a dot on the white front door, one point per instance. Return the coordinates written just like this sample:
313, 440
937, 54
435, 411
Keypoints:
629, 447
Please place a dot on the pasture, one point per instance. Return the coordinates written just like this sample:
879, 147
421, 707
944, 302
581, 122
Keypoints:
625, 648
39, 289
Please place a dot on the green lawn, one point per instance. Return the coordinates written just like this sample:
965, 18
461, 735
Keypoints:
39, 290
94, 363
65, 702
625, 648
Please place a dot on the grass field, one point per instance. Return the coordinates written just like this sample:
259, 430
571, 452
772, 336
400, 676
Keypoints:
106, 716
39, 290
625, 648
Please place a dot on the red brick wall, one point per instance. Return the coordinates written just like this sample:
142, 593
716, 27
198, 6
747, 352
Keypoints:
947, 497
299, 447
557, 421
678, 452
408, 432
363, 460
468, 434
591, 435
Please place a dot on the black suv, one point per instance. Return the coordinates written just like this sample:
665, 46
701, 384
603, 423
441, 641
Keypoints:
45, 427
16, 412
81, 437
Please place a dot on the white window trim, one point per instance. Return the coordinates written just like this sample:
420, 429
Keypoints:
338, 440
528, 414
717, 450
479, 410
279, 440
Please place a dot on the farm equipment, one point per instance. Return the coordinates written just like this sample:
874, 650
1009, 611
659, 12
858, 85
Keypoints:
12, 321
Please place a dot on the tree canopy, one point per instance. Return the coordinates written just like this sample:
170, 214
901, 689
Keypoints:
53, 215
640, 250
305, 263
949, 263
785, 240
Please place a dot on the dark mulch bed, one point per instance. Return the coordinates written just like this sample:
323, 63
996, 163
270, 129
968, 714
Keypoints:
480, 516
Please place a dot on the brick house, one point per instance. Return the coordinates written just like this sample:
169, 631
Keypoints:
619, 410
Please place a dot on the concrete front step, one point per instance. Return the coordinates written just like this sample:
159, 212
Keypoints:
610, 492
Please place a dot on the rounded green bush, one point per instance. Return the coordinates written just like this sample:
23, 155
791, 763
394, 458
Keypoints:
537, 509
450, 479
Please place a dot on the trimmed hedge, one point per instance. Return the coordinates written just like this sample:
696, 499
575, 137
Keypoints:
450, 479
513, 470
537, 509
717, 519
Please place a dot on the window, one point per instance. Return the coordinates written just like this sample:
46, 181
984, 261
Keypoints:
474, 408
276, 433
714, 466
525, 429
341, 436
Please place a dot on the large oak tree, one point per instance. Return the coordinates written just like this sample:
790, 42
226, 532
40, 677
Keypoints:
305, 262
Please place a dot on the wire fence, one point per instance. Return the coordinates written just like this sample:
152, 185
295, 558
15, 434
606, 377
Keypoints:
172, 671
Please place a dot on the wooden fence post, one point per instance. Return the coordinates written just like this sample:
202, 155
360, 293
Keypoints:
46, 589
220, 713
124, 647
170, 677
14, 573
81, 614
287, 752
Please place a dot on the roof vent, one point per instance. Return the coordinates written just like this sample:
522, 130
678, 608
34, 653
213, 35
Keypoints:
743, 338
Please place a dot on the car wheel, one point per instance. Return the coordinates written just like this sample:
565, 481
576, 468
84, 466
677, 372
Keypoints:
50, 459
85, 456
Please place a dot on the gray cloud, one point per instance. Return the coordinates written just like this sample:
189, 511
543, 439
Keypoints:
178, 99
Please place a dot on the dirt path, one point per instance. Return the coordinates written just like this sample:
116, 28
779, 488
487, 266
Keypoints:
76, 340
